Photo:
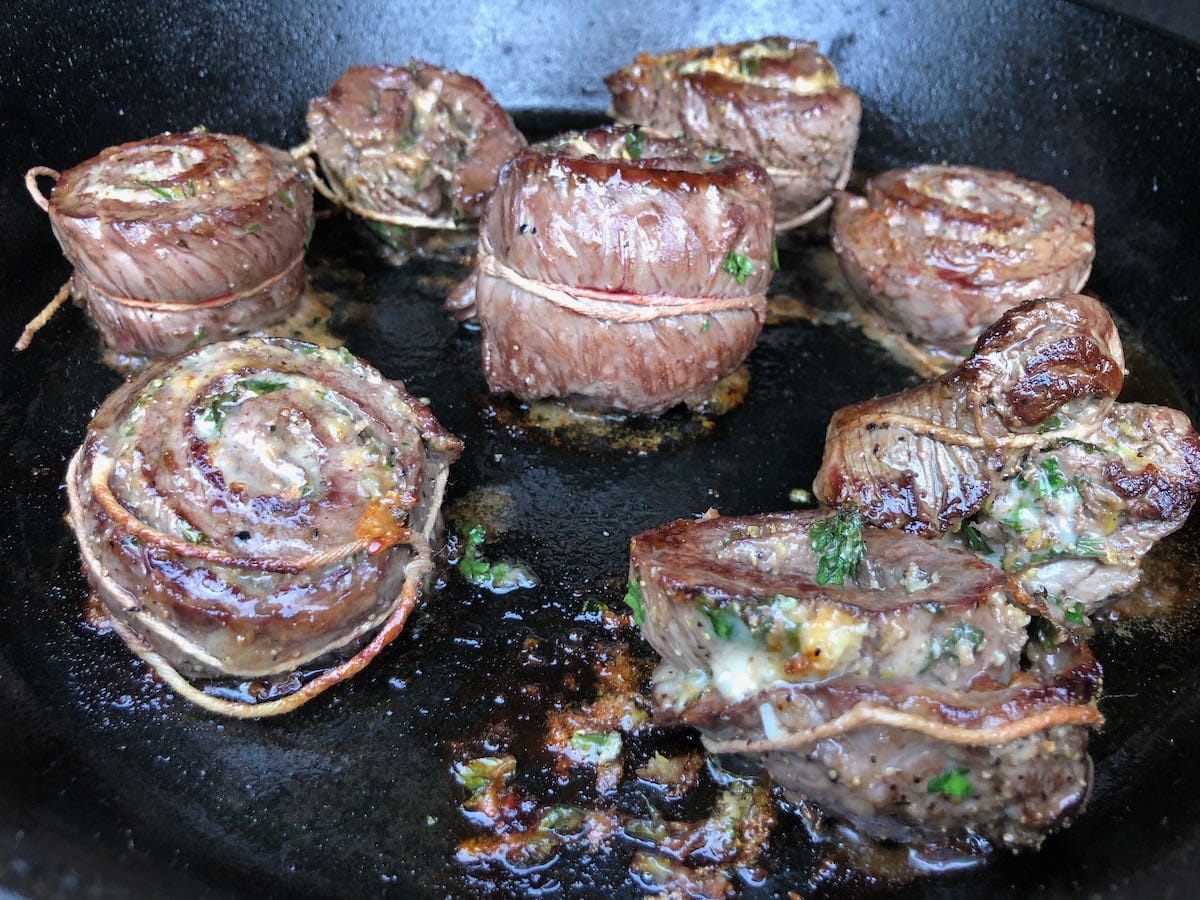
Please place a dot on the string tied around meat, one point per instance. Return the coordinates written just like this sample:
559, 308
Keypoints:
617, 306
416, 570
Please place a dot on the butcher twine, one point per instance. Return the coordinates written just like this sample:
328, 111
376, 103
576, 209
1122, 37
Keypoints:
617, 306
415, 571
808, 215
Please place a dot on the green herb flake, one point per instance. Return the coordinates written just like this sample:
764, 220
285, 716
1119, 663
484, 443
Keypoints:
774, 256
261, 385
476, 774
966, 633
196, 338
191, 534
471, 563
839, 545
252, 228
1090, 547
738, 266
749, 66
1051, 423
975, 540
722, 621
285, 197
953, 784
1074, 615
633, 599
705, 325
714, 156
598, 748
1049, 479
162, 192
633, 143
345, 356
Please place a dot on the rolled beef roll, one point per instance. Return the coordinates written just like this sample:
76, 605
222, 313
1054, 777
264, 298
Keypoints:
940, 252
1024, 455
182, 239
620, 270
929, 457
777, 100
887, 679
255, 507
410, 146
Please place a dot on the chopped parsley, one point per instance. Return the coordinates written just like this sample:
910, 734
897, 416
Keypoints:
975, 540
705, 325
714, 156
259, 386
391, 234
774, 255
252, 228
1074, 615
1051, 423
191, 534
839, 545
162, 192
196, 338
953, 783
633, 599
738, 266
722, 621
1049, 479
963, 632
598, 748
633, 143
285, 197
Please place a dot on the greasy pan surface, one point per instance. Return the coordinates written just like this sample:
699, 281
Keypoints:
109, 785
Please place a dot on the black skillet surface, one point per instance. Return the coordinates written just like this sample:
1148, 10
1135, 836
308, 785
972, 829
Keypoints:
109, 786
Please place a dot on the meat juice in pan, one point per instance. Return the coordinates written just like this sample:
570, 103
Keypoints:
552, 825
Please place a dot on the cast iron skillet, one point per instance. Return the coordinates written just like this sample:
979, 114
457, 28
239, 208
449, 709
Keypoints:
110, 786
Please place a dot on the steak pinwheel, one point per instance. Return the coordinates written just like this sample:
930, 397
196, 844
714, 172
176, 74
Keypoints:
180, 239
620, 270
410, 146
1023, 453
256, 508
887, 679
777, 100
938, 253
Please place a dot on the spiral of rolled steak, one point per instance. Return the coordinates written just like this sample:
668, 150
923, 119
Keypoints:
1076, 519
183, 239
940, 252
928, 457
412, 141
620, 271
254, 506
897, 701
776, 99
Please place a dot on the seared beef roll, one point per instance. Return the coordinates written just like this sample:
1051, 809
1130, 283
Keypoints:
1024, 454
940, 252
620, 270
888, 679
777, 100
181, 239
255, 507
410, 146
